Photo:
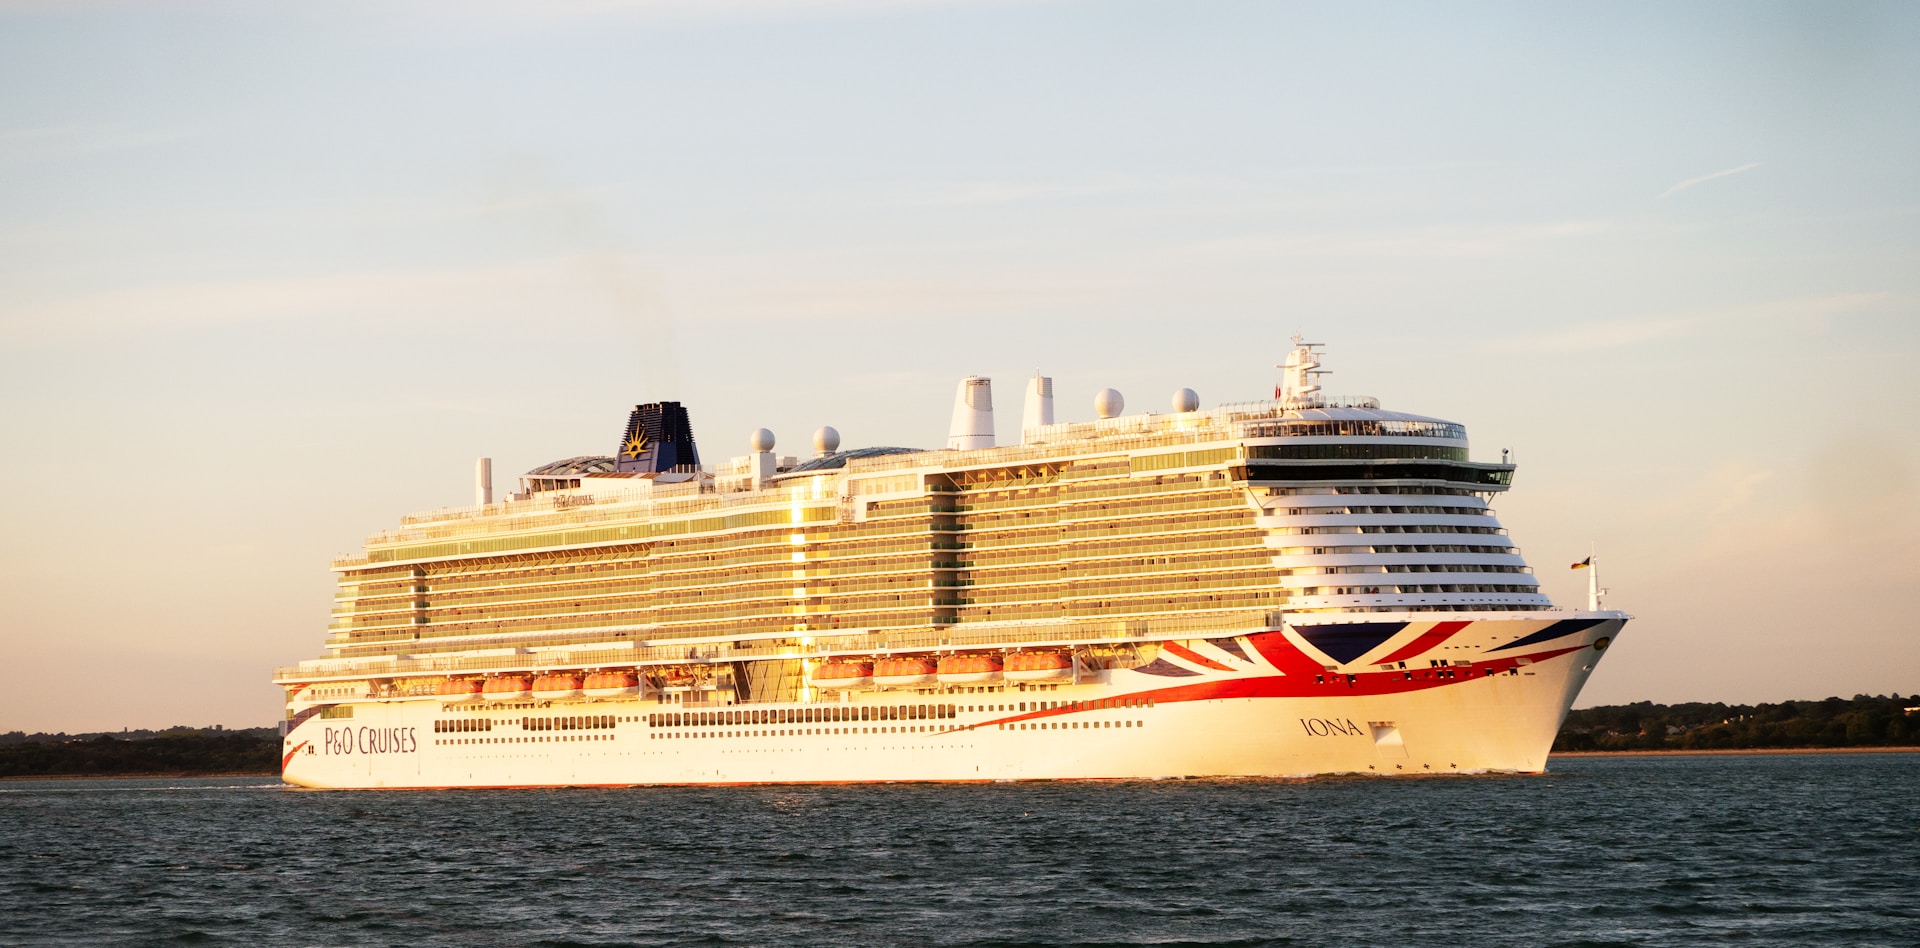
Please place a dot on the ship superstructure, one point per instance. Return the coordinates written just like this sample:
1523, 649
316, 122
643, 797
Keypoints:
1294, 586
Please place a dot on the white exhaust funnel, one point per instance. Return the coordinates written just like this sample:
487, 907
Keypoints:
483, 482
1039, 410
972, 415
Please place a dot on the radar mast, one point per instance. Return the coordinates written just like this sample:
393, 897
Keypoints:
1300, 376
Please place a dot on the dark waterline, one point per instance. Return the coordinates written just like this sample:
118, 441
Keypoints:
1786, 850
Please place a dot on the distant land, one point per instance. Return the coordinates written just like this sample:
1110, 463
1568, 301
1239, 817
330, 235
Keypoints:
1863, 721
176, 751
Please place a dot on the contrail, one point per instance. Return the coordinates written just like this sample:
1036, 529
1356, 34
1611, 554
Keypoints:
1690, 182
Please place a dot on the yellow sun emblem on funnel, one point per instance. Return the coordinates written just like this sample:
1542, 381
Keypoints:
636, 444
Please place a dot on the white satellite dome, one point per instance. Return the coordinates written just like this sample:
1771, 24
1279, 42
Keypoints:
825, 441
761, 442
1186, 400
1109, 403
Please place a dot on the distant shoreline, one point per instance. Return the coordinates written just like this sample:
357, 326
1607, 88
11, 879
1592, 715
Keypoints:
1739, 751
1710, 752
152, 776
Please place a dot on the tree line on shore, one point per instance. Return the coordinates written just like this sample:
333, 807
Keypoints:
174, 751
1861, 721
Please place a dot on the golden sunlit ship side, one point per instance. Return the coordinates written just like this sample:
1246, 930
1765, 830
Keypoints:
1286, 587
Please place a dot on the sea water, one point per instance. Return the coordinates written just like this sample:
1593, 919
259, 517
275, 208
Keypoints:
1752, 850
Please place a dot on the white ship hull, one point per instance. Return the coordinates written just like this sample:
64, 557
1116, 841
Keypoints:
1268, 704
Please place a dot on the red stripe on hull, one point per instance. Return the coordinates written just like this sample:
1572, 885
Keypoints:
1293, 683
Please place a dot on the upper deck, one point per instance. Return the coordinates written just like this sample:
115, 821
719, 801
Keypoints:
1143, 526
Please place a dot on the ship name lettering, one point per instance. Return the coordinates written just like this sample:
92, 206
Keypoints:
1328, 727
369, 740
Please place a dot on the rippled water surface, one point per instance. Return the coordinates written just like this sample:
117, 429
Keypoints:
1776, 850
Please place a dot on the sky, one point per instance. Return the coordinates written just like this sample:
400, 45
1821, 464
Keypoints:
273, 275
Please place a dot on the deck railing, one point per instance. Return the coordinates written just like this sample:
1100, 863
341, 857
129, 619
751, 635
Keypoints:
818, 645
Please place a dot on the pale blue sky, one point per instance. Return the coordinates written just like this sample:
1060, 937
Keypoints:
271, 278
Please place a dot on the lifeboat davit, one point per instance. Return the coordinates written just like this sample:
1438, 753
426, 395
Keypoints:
896, 672
843, 675
612, 684
552, 687
1039, 666
967, 669
459, 689
507, 688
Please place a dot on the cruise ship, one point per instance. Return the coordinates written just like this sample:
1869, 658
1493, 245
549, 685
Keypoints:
1288, 587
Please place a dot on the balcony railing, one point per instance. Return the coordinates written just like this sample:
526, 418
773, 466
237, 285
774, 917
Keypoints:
818, 645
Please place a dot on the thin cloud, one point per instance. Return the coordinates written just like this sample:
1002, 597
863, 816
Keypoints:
1596, 337
1797, 315
1690, 182
1434, 243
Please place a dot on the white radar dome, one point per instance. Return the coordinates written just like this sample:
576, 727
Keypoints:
826, 441
1186, 400
762, 441
1108, 404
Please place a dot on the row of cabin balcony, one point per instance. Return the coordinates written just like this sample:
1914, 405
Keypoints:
1308, 505
1395, 528
818, 566
453, 582
854, 642
589, 515
1480, 519
1302, 563
616, 626
765, 597
1063, 588
1484, 478
1470, 507
582, 603
571, 517
1397, 583
403, 614
1502, 549
815, 602
1440, 602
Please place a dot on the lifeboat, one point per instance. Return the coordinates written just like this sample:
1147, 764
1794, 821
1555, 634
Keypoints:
897, 672
552, 687
507, 688
1039, 666
612, 684
843, 675
459, 689
967, 669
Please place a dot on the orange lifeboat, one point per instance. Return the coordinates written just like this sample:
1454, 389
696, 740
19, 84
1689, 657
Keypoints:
459, 689
507, 688
843, 675
612, 684
1039, 666
966, 669
551, 687
897, 672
